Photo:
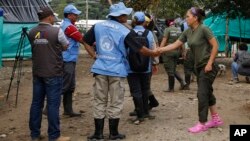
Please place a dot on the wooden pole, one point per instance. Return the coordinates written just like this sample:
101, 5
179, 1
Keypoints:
226, 37
110, 2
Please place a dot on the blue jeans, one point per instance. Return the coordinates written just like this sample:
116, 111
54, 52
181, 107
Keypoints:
234, 68
51, 88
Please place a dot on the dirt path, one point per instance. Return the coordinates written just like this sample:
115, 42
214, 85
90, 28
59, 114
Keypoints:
177, 111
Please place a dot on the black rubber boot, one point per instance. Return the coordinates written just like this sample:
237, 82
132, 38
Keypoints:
181, 81
171, 81
153, 101
67, 104
187, 80
98, 135
113, 129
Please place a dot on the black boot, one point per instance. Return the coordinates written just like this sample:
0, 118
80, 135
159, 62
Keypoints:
67, 104
179, 78
113, 129
171, 80
152, 102
98, 135
187, 80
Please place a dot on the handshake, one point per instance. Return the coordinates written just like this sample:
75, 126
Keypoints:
157, 52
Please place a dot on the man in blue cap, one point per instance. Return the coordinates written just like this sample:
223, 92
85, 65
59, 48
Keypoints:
139, 80
110, 68
70, 57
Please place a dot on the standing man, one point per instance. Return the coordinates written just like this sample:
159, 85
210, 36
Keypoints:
47, 44
70, 57
110, 68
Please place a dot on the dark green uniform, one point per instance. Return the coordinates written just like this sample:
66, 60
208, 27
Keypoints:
198, 41
188, 65
170, 59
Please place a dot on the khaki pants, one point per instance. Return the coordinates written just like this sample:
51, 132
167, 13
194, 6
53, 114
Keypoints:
103, 88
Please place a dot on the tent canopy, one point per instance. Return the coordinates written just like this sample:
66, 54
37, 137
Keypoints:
21, 10
18, 14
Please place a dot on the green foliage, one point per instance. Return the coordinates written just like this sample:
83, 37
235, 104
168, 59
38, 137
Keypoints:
234, 8
160, 8
96, 10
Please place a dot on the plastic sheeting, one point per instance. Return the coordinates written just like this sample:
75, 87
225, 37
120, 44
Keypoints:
11, 40
21, 10
1, 35
238, 29
17, 15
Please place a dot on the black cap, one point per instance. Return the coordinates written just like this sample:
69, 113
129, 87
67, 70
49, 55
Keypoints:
44, 12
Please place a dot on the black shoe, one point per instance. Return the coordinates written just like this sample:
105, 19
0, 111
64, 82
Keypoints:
72, 114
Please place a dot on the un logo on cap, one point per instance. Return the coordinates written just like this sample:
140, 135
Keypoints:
106, 44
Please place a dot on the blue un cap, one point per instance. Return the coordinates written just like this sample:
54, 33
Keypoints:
71, 9
139, 16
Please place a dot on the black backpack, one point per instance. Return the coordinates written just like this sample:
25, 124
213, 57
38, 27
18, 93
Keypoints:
137, 61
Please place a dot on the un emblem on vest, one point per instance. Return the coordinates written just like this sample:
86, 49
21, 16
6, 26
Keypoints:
106, 44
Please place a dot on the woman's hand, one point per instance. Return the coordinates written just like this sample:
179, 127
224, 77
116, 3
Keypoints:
208, 68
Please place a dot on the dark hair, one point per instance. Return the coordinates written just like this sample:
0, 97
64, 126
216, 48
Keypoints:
168, 21
243, 46
66, 15
199, 13
44, 12
151, 24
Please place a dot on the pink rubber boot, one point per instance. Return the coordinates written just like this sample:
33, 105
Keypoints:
214, 122
198, 128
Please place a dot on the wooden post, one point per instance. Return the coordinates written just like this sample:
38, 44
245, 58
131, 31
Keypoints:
110, 2
227, 37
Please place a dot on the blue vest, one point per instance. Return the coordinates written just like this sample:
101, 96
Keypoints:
111, 53
71, 54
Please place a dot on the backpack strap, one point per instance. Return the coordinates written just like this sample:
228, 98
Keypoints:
145, 33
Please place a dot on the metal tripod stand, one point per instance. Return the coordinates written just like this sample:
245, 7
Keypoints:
18, 64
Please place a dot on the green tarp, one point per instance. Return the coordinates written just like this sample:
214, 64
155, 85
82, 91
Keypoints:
18, 14
12, 33
238, 28
1, 35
